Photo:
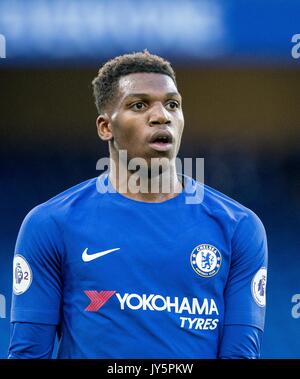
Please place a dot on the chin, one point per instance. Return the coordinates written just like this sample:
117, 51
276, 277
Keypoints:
161, 154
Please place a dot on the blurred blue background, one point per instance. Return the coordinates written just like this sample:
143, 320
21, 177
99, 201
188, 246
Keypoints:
238, 71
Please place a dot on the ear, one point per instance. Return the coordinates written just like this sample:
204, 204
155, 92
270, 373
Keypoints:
104, 127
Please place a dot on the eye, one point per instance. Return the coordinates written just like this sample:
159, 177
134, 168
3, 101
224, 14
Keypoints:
138, 106
172, 105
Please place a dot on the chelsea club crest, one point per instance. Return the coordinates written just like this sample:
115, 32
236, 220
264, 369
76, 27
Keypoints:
206, 260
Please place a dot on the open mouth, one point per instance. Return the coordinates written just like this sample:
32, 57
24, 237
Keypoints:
161, 140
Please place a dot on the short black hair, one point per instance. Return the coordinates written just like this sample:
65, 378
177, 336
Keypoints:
105, 84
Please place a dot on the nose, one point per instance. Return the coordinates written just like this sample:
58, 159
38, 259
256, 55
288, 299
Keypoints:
159, 115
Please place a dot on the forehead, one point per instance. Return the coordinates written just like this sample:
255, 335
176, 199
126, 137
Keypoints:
150, 83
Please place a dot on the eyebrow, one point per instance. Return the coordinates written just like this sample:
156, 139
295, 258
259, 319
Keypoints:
147, 96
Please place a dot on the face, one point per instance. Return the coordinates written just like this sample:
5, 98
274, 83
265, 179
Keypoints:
147, 119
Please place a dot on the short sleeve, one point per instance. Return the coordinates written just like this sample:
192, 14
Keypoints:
37, 279
245, 292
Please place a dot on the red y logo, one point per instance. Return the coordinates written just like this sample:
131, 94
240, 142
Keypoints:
98, 299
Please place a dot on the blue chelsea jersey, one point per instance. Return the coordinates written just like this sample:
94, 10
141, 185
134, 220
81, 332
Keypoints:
130, 279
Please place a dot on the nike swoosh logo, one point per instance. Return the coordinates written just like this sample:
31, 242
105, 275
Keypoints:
90, 257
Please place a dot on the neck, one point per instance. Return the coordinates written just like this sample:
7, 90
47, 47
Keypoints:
148, 185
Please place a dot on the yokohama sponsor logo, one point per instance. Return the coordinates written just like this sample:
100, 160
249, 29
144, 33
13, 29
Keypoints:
160, 303
153, 302
98, 299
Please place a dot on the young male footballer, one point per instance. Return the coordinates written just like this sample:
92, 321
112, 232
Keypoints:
137, 273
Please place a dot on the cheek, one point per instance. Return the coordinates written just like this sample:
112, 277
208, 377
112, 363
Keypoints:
180, 125
128, 132
181, 120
